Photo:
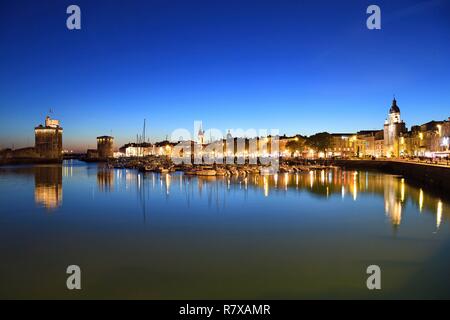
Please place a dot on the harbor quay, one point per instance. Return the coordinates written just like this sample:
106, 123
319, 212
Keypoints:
434, 175
426, 142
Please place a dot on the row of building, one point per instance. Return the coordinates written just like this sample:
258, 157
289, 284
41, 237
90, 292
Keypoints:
394, 140
430, 139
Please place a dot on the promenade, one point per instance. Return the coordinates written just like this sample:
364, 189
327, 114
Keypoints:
435, 175
436, 163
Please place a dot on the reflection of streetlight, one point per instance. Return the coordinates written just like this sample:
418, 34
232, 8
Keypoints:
402, 190
266, 186
439, 213
420, 200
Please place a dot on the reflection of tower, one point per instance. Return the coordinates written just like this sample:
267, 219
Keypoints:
105, 147
48, 139
393, 194
105, 179
393, 128
48, 186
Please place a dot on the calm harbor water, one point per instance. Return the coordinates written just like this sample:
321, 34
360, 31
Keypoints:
152, 236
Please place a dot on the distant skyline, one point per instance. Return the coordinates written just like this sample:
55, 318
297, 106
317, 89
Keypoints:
297, 66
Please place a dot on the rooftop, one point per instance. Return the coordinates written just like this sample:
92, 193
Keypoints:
394, 107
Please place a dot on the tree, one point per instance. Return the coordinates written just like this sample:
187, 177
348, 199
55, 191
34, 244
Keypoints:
297, 144
319, 141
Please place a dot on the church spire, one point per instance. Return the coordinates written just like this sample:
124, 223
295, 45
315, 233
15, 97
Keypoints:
394, 107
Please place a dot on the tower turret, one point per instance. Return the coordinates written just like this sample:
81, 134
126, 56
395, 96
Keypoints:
48, 140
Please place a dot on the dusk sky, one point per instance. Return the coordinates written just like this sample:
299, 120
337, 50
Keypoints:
297, 66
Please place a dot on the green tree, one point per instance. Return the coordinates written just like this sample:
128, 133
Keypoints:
297, 144
319, 141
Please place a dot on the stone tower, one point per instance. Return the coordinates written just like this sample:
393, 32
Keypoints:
48, 140
105, 146
394, 127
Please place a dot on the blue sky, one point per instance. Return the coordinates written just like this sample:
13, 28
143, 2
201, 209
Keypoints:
298, 66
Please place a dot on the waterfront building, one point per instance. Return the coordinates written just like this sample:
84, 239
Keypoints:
379, 144
105, 145
48, 140
341, 145
163, 148
394, 127
430, 139
243, 149
366, 143
445, 136
137, 149
394, 140
236, 147
183, 150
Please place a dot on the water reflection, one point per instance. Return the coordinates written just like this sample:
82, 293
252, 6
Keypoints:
48, 182
295, 228
105, 179
328, 184
439, 214
48, 186
393, 199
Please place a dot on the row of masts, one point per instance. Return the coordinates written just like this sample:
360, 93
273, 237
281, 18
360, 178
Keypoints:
141, 138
